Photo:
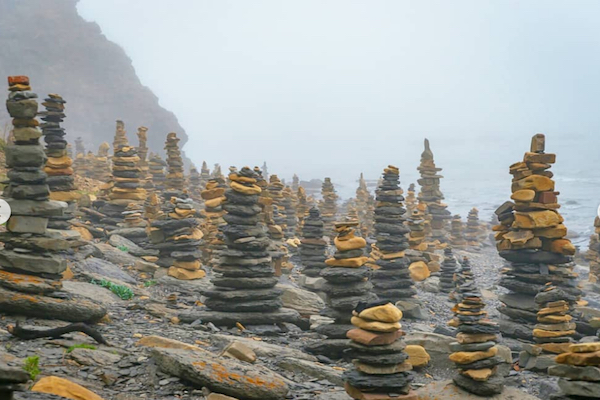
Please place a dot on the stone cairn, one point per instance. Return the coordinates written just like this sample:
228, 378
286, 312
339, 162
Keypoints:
578, 370
531, 237
276, 223
244, 282
156, 166
347, 285
58, 167
474, 234
313, 249
126, 195
416, 237
295, 183
265, 171
213, 196
448, 269
78, 164
142, 149
457, 236
290, 206
432, 196
175, 180
392, 280
31, 266
380, 366
204, 175
328, 206
152, 207
593, 253
365, 206
411, 198
554, 329
101, 165
475, 352
195, 184
302, 209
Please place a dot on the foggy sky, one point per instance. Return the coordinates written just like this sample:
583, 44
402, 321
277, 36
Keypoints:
336, 87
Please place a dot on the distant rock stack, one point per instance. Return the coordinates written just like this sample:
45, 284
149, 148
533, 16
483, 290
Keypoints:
474, 232
156, 167
244, 283
531, 237
30, 278
213, 196
578, 370
204, 175
101, 165
79, 163
365, 206
265, 172
411, 199
290, 206
464, 274
194, 184
381, 369
392, 280
275, 192
457, 236
269, 212
152, 207
347, 286
313, 249
58, 167
120, 138
448, 269
295, 183
302, 209
475, 352
175, 180
593, 253
328, 206
432, 196
416, 237
69, 150
142, 149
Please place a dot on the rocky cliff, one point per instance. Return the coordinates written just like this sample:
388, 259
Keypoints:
62, 53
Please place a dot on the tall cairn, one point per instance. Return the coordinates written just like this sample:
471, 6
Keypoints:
475, 352
347, 285
474, 232
58, 167
214, 197
532, 239
392, 280
289, 205
313, 249
101, 165
302, 209
142, 150
457, 236
30, 260
194, 184
411, 198
328, 205
175, 180
78, 164
432, 196
380, 366
365, 207
204, 174
448, 269
244, 282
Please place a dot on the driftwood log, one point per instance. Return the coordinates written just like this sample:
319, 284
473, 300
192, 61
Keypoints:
30, 334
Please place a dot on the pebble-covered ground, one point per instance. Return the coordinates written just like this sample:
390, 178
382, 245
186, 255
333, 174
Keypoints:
124, 371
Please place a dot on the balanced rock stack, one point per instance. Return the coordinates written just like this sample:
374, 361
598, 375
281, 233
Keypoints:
142, 149
289, 204
347, 285
79, 162
593, 253
392, 280
120, 138
175, 182
328, 205
457, 237
432, 196
365, 205
213, 196
275, 192
313, 248
30, 274
156, 166
448, 269
277, 249
178, 239
58, 167
195, 184
152, 207
411, 198
475, 352
101, 166
532, 238
462, 276
578, 370
474, 233
416, 237
381, 369
555, 328
244, 281
302, 209
204, 175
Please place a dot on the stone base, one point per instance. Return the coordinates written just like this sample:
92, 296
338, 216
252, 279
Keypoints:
358, 395
494, 385
72, 309
221, 318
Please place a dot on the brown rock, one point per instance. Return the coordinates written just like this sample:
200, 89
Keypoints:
467, 357
372, 338
358, 395
384, 313
468, 338
65, 388
579, 359
525, 195
382, 369
480, 375
417, 356
240, 351
375, 325
584, 347
537, 219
